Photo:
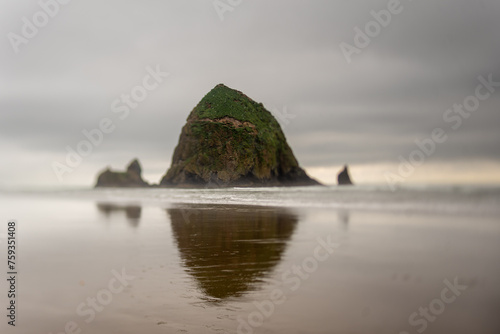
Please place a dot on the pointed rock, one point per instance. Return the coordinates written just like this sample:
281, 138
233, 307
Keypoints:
344, 178
134, 168
231, 140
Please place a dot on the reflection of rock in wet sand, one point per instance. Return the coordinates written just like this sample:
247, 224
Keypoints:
230, 248
132, 212
343, 216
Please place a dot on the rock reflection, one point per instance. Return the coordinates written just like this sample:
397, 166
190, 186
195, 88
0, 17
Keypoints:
228, 249
132, 212
344, 217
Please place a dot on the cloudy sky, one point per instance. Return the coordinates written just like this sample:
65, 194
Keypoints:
345, 87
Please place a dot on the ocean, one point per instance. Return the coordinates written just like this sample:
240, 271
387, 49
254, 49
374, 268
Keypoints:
439, 199
361, 259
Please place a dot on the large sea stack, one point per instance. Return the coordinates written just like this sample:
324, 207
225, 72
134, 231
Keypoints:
231, 140
130, 178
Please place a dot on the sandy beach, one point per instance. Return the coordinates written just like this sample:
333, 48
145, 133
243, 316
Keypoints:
94, 266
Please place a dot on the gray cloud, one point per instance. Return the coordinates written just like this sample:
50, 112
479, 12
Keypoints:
281, 53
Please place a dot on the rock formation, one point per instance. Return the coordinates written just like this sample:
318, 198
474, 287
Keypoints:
131, 178
344, 178
231, 140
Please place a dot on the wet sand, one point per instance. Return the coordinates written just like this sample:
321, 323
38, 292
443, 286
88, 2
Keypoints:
137, 268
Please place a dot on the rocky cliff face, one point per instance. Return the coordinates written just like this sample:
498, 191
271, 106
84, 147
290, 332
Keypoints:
231, 140
130, 178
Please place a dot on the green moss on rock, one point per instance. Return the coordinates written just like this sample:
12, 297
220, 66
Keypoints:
231, 140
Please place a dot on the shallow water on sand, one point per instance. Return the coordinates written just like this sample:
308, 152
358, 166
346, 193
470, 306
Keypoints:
130, 266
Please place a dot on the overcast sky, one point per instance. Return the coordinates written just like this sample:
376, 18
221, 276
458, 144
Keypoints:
367, 110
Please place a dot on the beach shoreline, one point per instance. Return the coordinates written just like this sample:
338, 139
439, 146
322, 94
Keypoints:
226, 267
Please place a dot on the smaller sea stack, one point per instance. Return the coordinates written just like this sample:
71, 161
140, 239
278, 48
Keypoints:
130, 178
343, 178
